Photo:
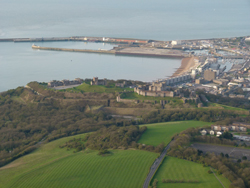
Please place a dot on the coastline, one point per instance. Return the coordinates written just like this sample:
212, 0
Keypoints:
187, 63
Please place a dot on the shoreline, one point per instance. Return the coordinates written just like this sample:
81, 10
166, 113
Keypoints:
187, 63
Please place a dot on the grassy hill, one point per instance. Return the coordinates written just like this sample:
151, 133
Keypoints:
140, 97
178, 169
51, 166
97, 89
162, 132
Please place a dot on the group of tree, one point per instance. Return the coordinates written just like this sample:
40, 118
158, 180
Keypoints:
211, 115
114, 137
77, 144
234, 102
237, 173
28, 116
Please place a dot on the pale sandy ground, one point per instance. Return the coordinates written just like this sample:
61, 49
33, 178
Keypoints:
65, 87
187, 64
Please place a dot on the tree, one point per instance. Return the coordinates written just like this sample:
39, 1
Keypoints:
244, 158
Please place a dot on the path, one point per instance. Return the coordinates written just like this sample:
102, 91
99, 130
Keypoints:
217, 177
155, 166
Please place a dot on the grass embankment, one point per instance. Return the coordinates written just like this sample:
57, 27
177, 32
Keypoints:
163, 132
97, 89
178, 169
51, 166
140, 97
226, 107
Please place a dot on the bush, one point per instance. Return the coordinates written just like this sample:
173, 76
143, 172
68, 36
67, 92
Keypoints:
103, 152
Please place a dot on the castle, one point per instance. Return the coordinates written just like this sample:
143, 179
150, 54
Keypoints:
96, 81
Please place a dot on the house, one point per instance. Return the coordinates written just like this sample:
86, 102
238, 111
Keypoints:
218, 133
211, 132
216, 127
234, 128
203, 132
243, 129
225, 128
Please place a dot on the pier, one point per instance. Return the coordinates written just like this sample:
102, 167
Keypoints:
161, 53
74, 50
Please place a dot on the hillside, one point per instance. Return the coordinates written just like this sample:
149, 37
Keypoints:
163, 132
51, 166
178, 169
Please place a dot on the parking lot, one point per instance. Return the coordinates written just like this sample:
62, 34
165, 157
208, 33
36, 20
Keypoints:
233, 152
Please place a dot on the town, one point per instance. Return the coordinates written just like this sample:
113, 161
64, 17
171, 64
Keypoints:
216, 66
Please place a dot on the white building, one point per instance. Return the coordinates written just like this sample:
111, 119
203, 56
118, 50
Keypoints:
218, 133
203, 132
211, 132
176, 42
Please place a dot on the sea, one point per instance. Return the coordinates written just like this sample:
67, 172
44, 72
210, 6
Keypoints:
142, 19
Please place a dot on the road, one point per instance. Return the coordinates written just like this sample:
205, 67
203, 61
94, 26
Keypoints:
155, 166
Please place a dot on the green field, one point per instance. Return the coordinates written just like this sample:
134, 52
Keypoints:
97, 89
140, 97
162, 132
178, 169
50, 166
226, 107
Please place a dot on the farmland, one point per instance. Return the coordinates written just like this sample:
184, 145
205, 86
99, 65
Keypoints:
163, 132
178, 169
50, 166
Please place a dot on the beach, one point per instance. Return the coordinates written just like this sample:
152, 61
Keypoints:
187, 64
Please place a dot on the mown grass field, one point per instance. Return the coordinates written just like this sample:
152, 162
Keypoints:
97, 89
140, 97
51, 166
178, 169
162, 132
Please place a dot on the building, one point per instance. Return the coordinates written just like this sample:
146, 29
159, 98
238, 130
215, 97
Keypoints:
176, 42
211, 132
200, 81
141, 91
216, 127
203, 132
177, 79
218, 134
200, 105
224, 128
243, 129
55, 83
242, 124
223, 82
209, 75
158, 86
122, 85
96, 81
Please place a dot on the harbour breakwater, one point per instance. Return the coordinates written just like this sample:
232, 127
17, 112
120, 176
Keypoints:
115, 52
79, 38
74, 50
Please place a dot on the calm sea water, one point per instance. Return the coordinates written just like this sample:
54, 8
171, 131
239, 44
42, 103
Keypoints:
145, 19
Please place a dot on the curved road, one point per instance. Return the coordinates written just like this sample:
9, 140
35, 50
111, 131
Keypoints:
155, 166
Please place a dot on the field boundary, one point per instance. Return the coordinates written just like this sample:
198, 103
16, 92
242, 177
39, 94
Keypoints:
217, 177
154, 168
